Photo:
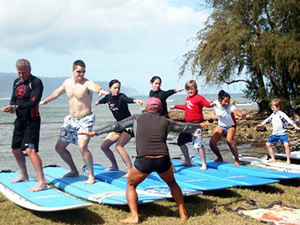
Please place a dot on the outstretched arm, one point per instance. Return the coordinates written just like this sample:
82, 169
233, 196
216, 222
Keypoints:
297, 128
178, 90
237, 112
89, 133
55, 94
205, 124
186, 127
139, 102
115, 127
96, 88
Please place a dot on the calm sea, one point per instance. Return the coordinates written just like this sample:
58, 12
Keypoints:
52, 118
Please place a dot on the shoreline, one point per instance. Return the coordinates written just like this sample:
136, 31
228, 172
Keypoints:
246, 131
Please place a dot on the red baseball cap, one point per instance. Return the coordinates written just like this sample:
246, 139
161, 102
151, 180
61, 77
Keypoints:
154, 103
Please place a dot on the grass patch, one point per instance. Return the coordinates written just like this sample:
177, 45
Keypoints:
198, 207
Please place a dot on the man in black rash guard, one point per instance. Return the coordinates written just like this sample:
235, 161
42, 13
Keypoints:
151, 132
27, 92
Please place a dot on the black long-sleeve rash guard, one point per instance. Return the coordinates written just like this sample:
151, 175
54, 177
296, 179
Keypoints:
118, 105
162, 96
27, 95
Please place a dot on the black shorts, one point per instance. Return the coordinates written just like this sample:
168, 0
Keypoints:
184, 138
148, 165
26, 134
128, 131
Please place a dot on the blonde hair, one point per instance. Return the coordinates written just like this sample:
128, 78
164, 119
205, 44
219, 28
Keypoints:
276, 102
191, 83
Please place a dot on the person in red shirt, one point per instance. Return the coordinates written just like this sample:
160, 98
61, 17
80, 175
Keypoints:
193, 114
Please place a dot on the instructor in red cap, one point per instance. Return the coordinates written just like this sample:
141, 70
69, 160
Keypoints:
151, 132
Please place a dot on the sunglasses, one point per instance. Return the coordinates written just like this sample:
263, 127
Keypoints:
80, 71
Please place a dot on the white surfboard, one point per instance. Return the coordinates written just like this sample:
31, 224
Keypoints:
261, 162
48, 200
294, 155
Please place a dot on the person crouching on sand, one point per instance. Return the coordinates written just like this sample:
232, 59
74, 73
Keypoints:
152, 153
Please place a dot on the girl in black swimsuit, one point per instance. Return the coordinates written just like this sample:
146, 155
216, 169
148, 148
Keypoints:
118, 104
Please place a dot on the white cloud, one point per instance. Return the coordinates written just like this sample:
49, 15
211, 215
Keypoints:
131, 40
63, 26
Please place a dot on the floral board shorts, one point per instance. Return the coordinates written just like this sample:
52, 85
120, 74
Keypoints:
197, 139
72, 126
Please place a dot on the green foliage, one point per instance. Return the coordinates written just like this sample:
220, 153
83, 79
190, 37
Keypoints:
259, 40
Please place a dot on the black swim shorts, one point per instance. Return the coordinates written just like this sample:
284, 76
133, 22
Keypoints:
26, 134
148, 165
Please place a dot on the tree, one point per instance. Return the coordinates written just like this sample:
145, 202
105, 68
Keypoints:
252, 41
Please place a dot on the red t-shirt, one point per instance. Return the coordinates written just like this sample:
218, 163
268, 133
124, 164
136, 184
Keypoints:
193, 107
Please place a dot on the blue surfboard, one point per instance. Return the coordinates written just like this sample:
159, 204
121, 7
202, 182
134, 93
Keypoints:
217, 176
248, 170
99, 192
48, 200
153, 187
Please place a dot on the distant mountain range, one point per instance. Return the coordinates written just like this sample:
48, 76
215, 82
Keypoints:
50, 84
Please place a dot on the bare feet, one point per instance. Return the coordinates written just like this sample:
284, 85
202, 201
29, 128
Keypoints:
183, 215
126, 175
288, 163
112, 168
236, 163
91, 180
271, 161
39, 187
20, 179
218, 160
71, 174
131, 219
203, 167
185, 164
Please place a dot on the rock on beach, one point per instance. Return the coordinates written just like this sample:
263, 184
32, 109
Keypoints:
246, 131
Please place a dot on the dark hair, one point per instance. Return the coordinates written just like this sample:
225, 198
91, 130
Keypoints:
222, 94
78, 63
112, 82
154, 78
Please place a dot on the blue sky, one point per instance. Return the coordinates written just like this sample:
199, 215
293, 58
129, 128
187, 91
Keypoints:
129, 40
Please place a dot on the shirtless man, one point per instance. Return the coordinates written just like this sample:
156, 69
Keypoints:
27, 92
79, 91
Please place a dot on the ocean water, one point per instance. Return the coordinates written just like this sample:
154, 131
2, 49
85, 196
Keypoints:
53, 114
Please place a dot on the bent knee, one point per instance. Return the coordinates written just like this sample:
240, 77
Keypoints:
30, 151
119, 148
229, 142
57, 148
82, 148
212, 144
